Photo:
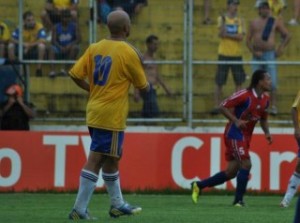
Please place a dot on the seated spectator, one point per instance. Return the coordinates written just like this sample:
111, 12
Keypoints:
52, 12
65, 41
104, 8
4, 39
34, 38
132, 7
15, 113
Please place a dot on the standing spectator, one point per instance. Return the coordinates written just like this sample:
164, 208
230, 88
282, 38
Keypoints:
15, 113
4, 39
261, 42
150, 105
207, 9
231, 31
243, 110
52, 12
294, 20
110, 65
294, 181
276, 6
65, 41
34, 39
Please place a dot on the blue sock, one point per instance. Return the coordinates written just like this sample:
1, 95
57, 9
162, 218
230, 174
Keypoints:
242, 180
216, 179
297, 212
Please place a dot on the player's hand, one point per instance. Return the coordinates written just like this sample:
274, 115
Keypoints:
269, 139
241, 124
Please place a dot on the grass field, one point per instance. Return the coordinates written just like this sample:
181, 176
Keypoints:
48, 207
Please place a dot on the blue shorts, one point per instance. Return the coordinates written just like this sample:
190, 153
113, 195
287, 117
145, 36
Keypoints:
271, 68
106, 142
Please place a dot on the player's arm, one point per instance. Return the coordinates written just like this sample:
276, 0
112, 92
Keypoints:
285, 37
231, 117
249, 37
145, 89
265, 127
82, 84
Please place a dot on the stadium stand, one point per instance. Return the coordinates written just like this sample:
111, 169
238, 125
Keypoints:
59, 97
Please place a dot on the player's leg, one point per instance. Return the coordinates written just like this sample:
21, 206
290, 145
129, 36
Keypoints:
242, 181
240, 151
292, 187
297, 212
87, 185
233, 166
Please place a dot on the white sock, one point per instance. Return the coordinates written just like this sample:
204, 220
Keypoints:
87, 186
113, 188
292, 187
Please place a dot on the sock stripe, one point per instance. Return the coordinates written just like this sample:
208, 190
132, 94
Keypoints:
296, 174
89, 176
110, 178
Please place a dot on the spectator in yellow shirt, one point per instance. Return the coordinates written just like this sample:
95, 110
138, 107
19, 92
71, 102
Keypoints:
4, 38
51, 14
34, 41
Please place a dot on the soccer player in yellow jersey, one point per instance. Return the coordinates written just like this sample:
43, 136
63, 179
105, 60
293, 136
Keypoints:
294, 181
110, 67
231, 33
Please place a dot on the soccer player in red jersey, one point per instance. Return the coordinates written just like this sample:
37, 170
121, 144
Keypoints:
243, 110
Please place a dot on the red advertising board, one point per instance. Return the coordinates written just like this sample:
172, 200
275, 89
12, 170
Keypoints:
31, 161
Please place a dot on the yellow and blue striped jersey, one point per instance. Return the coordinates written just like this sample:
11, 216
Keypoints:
110, 67
296, 104
227, 46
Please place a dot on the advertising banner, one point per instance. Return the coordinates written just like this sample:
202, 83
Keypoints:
32, 161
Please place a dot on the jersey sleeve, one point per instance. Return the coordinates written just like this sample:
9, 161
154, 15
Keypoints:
296, 103
80, 69
235, 99
136, 70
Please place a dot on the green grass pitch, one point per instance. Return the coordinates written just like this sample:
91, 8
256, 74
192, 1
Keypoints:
54, 207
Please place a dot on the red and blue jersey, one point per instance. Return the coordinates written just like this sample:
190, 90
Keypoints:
245, 105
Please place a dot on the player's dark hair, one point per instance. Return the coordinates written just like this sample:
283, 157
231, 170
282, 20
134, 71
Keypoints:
151, 38
256, 77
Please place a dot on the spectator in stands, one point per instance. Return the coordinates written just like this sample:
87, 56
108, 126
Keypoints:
34, 41
261, 42
65, 41
294, 20
276, 6
150, 105
15, 113
132, 7
52, 12
294, 180
4, 39
231, 32
207, 9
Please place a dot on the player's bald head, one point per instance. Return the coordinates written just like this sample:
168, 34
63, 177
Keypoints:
118, 21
